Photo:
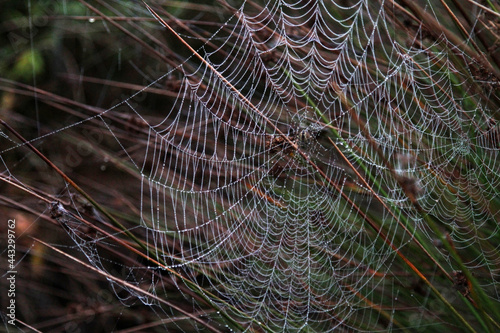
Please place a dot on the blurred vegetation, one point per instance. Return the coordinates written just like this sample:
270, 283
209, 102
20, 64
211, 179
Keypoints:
64, 62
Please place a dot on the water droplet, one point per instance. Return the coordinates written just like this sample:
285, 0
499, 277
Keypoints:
91, 20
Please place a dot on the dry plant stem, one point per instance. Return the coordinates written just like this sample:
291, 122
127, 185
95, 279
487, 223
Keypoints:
489, 10
24, 188
60, 102
144, 327
75, 186
46, 94
118, 84
25, 208
131, 286
28, 326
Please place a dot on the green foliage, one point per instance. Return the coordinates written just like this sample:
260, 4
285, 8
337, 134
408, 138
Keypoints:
29, 63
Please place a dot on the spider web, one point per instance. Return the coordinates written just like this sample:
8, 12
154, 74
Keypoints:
271, 214
312, 143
